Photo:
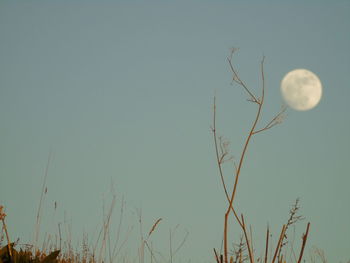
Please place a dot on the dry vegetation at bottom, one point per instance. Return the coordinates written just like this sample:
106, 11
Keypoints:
103, 249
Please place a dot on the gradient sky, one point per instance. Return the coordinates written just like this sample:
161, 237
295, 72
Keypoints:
122, 91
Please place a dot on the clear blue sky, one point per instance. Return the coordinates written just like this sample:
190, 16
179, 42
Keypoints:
122, 91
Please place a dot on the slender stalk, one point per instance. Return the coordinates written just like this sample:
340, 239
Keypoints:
250, 252
267, 244
170, 247
151, 251
43, 191
279, 243
216, 256
304, 243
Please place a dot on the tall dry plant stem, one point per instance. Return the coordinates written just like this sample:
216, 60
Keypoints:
220, 155
251, 132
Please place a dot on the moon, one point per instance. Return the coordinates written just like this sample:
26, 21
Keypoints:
301, 89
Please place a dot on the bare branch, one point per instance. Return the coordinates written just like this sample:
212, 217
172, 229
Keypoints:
279, 117
237, 79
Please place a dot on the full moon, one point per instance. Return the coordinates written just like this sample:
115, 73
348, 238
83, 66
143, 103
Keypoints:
301, 89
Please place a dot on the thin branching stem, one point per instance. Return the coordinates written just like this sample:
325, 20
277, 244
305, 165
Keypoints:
219, 161
260, 104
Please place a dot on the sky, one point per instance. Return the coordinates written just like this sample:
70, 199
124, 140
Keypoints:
121, 93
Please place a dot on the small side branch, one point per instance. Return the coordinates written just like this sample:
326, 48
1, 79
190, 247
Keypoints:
237, 79
274, 121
